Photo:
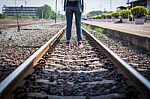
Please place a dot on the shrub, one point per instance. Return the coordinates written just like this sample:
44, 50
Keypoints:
2, 16
103, 16
98, 30
99, 16
139, 11
115, 14
94, 17
125, 13
109, 15
9, 17
29, 17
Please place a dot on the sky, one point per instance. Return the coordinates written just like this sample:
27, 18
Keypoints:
90, 4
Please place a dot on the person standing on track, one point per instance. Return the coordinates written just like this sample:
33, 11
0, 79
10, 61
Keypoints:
74, 7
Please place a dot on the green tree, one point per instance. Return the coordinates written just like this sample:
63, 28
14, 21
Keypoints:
115, 14
46, 11
93, 13
88, 14
2, 16
29, 17
17, 16
125, 13
139, 11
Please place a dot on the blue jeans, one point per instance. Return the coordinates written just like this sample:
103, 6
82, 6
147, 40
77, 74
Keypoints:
69, 16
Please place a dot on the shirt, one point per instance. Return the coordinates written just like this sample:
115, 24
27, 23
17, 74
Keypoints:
79, 3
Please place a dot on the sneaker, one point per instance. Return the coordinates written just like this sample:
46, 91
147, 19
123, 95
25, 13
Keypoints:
80, 45
67, 43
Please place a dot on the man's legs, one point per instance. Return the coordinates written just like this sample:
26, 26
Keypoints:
78, 14
69, 16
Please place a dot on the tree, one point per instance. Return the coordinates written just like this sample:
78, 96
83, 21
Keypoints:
2, 16
46, 12
18, 16
148, 12
93, 13
29, 17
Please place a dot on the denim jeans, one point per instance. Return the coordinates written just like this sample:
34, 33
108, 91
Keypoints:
69, 16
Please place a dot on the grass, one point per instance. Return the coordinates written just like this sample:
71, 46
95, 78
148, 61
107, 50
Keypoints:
98, 30
86, 26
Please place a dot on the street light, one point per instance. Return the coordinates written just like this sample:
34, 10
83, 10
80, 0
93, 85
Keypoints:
56, 11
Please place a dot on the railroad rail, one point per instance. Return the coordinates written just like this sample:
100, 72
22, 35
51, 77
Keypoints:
137, 79
16, 78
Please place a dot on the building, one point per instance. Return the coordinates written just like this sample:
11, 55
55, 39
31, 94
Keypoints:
22, 11
133, 3
121, 8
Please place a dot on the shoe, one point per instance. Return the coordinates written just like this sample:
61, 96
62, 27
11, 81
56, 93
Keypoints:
67, 43
80, 45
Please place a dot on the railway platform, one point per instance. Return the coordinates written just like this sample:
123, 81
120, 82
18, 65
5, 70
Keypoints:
137, 34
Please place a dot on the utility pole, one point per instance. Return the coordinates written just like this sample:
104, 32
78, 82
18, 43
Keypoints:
62, 10
25, 3
110, 5
100, 7
85, 8
132, 7
42, 12
128, 9
21, 11
56, 11
18, 29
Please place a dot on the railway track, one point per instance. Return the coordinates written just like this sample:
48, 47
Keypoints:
25, 43
137, 57
59, 72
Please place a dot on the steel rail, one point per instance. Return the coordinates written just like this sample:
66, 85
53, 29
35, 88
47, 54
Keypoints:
135, 78
8, 85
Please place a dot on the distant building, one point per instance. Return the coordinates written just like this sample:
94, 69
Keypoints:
121, 8
22, 11
133, 3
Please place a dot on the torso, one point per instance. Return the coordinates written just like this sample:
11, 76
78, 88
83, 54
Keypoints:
73, 3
